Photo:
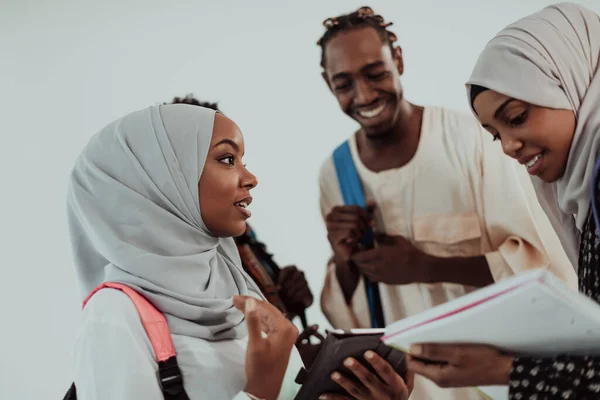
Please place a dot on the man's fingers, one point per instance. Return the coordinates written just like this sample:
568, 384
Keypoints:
385, 239
371, 205
345, 221
371, 275
357, 218
286, 273
356, 228
347, 209
299, 296
296, 276
353, 212
366, 256
296, 283
367, 263
308, 332
307, 300
339, 233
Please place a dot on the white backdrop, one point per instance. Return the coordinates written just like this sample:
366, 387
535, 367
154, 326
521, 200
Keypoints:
69, 67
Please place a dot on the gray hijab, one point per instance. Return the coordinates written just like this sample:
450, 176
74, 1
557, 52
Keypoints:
134, 218
550, 59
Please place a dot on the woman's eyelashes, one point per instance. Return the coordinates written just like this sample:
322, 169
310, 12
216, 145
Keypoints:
228, 159
512, 122
519, 119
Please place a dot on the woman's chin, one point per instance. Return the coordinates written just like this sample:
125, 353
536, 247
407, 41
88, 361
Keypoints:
231, 231
238, 229
550, 177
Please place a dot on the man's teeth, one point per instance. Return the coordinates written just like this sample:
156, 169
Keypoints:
372, 113
242, 204
533, 161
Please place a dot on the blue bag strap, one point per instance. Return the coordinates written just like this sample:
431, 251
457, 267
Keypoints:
595, 190
353, 194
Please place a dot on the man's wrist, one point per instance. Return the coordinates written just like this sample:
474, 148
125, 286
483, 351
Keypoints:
428, 268
469, 271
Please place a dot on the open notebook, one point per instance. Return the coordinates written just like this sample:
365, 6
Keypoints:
531, 313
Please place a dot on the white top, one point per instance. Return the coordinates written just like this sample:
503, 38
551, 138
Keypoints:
459, 196
114, 358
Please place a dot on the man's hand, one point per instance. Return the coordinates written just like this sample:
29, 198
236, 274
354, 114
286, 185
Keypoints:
345, 226
293, 290
309, 351
395, 261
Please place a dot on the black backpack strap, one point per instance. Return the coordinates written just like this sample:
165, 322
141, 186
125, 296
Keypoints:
171, 380
71, 393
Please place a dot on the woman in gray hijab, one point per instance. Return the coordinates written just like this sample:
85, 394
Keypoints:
536, 89
153, 203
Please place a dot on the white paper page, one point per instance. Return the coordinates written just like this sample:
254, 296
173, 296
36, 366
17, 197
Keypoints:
539, 317
496, 392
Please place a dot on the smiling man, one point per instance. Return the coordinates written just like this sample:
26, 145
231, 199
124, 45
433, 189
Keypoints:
451, 213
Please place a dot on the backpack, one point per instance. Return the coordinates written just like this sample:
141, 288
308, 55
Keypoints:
155, 324
263, 270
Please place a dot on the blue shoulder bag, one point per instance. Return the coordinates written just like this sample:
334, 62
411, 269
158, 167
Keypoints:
353, 194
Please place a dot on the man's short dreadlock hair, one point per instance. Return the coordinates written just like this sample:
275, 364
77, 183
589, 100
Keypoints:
363, 17
190, 99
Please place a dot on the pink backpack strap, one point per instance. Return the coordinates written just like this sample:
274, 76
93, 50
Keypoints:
155, 324
153, 320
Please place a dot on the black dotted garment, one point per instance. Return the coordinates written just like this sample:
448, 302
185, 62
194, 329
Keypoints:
565, 377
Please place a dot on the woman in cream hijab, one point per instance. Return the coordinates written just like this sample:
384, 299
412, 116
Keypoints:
536, 89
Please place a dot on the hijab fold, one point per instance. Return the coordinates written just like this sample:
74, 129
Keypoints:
550, 59
134, 218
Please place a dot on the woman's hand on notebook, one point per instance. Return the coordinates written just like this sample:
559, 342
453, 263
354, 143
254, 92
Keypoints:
390, 387
267, 356
461, 365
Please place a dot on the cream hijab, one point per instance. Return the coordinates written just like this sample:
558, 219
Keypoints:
134, 217
550, 59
